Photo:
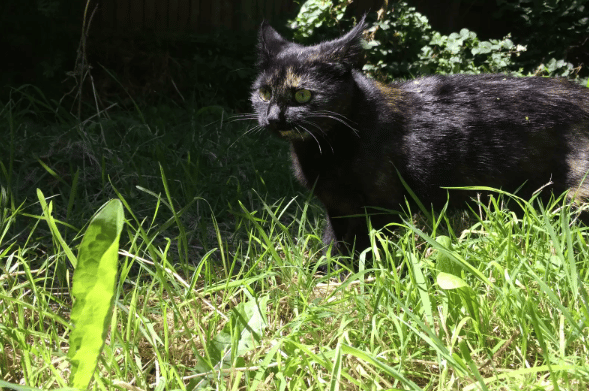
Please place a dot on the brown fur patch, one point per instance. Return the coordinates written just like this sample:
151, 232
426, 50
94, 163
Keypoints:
292, 79
392, 95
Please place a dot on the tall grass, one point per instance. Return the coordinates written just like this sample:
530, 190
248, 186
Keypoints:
218, 284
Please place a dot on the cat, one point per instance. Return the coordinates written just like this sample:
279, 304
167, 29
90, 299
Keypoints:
352, 138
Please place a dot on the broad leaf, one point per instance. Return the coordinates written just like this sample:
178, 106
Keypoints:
450, 281
93, 289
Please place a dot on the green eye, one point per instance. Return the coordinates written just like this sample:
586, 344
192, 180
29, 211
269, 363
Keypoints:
302, 96
265, 94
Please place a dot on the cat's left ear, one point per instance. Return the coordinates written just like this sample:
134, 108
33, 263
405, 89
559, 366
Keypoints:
346, 50
270, 43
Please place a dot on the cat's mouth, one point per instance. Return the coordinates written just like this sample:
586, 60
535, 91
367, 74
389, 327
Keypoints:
292, 134
289, 133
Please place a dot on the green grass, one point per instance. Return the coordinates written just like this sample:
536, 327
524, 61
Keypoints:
217, 285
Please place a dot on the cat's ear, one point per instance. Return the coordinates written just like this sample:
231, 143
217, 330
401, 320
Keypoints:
270, 43
346, 50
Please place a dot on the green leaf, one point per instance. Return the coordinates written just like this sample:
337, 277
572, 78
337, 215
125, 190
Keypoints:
483, 48
252, 317
93, 289
450, 281
465, 33
239, 335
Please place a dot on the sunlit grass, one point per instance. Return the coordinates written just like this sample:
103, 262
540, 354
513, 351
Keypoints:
219, 287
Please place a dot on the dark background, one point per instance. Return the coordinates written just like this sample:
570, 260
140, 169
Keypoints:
202, 50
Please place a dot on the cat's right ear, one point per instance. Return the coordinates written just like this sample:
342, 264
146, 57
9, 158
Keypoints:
270, 43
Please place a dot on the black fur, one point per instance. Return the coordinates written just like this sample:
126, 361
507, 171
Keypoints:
354, 137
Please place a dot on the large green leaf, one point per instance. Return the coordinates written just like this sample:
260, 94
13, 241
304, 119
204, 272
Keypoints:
449, 281
239, 336
93, 289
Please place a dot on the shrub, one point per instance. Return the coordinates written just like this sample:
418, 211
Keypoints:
400, 43
555, 33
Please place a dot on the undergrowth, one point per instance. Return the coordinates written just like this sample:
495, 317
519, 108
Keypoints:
219, 284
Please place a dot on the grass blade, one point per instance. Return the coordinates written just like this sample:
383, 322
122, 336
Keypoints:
53, 227
422, 288
369, 358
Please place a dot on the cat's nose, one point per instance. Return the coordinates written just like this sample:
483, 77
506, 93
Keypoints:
275, 117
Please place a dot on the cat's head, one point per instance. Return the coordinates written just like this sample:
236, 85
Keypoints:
305, 91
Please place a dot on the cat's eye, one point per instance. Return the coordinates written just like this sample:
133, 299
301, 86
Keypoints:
303, 96
265, 94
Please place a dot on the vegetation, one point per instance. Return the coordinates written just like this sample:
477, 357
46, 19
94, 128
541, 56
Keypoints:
402, 44
555, 33
218, 284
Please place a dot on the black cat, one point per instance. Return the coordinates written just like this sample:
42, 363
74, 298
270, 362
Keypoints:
352, 138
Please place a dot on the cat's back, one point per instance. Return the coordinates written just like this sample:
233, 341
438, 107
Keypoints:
458, 103
497, 91
492, 130
483, 83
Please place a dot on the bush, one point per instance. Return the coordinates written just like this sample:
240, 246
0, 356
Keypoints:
396, 41
555, 32
464, 53
400, 43
317, 18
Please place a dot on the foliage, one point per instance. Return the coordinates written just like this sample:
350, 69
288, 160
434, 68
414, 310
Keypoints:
464, 53
513, 317
201, 150
555, 33
316, 20
401, 43
219, 288
395, 43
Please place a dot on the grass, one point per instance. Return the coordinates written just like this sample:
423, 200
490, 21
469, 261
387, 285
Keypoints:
218, 285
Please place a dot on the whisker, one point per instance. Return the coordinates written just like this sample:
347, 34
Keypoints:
242, 117
312, 135
314, 125
252, 130
256, 129
336, 114
324, 134
341, 120
321, 115
320, 129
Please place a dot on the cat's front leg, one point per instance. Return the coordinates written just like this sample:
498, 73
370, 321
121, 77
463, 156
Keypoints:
345, 235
